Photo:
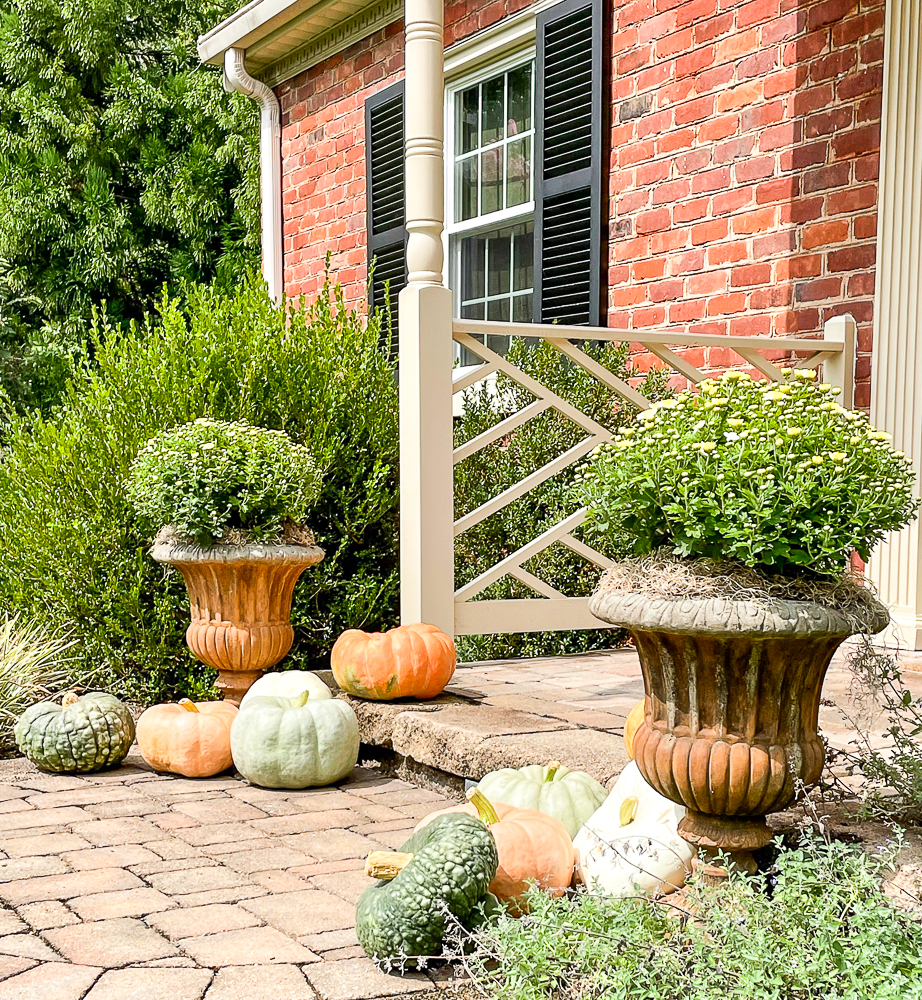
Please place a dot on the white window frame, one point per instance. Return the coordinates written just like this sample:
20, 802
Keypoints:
501, 47
505, 216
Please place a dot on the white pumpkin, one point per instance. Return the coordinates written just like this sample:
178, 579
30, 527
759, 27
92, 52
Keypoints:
287, 684
631, 844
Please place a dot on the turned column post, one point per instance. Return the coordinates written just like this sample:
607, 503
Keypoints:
896, 367
425, 344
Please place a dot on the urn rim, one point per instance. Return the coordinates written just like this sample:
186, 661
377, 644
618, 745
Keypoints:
770, 617
281, 553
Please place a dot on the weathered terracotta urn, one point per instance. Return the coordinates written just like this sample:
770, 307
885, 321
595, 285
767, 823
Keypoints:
732, 703
240, 598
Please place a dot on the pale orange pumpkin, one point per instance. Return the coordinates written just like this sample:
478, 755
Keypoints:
631, 725
413, 661
192, 739
532, 847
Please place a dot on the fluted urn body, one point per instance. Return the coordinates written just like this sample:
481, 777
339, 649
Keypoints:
732, 696
240, 599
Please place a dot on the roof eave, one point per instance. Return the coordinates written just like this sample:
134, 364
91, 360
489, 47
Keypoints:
249, 25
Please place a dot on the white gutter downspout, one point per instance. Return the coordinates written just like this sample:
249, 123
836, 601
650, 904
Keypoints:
236, 78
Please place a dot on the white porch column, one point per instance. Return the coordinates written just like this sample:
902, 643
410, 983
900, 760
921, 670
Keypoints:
425, 346
896, 368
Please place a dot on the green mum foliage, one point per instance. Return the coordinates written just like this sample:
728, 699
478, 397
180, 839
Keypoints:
208, 477
772, 475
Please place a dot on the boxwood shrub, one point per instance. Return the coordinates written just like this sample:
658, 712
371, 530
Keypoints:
74, 555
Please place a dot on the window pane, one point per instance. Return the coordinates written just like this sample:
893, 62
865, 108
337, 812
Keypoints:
495, 343
521, 308
519, 120
500, 248
523, 275
473, 310
467, 119
492, 111
518, 167
466, 199
473, 267
491, 167
466, 357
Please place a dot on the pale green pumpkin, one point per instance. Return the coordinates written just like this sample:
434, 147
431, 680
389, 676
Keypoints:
297, 742
287, 684
570, 796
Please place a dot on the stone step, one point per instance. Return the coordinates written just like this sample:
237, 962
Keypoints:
466, 739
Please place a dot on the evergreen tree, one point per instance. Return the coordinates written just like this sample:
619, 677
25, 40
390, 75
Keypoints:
123, 166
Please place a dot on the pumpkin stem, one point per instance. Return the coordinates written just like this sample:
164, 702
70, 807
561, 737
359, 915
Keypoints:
71, 698
386, 864
552, 769
484, 806
628, 810
300, 700
188, 704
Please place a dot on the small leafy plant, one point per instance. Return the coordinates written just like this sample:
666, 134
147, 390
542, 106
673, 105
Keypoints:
210, 479
894, 770
773, 475
816, 926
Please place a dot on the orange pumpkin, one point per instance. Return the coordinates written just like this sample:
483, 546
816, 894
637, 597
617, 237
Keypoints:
192, 739
532, 847
413, 661
634, 719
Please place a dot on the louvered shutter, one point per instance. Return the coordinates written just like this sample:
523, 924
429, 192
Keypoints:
386, 210
570, 119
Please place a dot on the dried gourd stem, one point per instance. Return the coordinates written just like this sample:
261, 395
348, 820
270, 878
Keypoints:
484, 806
552, 769
71, 698
300, 700
386, 864
188, 704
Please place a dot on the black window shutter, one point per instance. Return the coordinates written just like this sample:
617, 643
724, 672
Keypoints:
570, 119
386, 209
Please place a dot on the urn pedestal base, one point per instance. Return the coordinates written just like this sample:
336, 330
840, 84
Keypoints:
728, 833
240, 601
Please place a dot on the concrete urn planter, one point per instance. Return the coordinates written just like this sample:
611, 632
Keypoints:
732, 696
240, 599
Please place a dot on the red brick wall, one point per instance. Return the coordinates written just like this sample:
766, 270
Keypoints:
744, 159
323, 148
745, 138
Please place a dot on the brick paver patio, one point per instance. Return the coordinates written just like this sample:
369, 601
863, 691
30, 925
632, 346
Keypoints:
130, 885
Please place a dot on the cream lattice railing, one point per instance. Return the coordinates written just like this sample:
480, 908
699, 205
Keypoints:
550, 609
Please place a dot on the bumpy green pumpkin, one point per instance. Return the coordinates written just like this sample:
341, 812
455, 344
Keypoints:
453, 861
570, 796
297, 742
80, 735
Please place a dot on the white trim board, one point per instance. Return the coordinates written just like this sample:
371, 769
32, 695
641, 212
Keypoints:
302, 58
285, 37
